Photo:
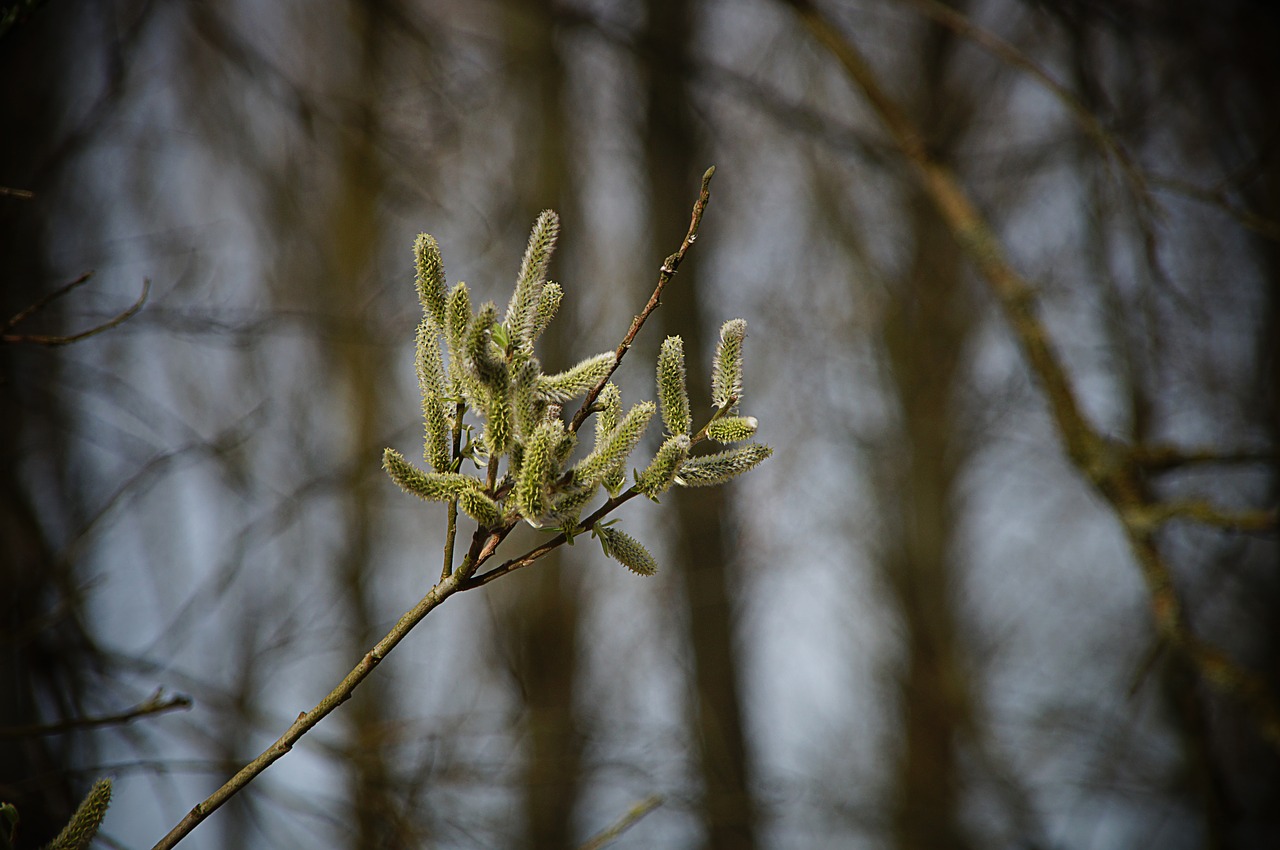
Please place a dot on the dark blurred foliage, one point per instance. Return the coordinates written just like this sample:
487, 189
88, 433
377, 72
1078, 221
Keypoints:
915, 627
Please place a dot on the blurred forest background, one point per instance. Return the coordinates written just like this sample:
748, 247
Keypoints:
938, 617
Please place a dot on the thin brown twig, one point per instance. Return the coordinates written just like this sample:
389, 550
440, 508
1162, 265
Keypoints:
559, 540
1219, 197
308, 720
1111, 468
962, 26
39, 305
157, 703
667, 271
451, 529
43, 339
1152, 516
24, 194
1162, 458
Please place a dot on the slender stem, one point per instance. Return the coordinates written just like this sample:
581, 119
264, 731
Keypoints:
483, 546
667, 271
39, 305
451, 532
719, 414
559, 540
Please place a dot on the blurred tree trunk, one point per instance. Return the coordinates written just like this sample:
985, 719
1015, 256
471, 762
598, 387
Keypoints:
541, 611
702, 555
46, 653
352, 239
929, 320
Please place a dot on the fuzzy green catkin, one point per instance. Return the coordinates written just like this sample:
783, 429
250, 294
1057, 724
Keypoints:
485, 360
726, 369
433, 486
610, 411
732, 429
673, 391
718, 468
521, 311
567, 506
660, 474
83, 826
457, 320
546, 309
435, 392
537, 471
564, 448
457, 330
430, 277
626, 550
574, 382
610, 453
530, 408
500, 419
480, 507
609, 404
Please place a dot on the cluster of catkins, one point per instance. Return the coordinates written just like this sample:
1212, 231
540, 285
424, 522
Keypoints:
492, 370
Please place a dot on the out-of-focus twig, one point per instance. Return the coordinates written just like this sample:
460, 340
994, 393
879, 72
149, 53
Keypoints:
1162, 458
1112, 468
157, 703
1221, 198
44, 339
608, 836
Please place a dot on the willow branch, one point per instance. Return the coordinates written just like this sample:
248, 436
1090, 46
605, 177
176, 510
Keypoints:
483, 547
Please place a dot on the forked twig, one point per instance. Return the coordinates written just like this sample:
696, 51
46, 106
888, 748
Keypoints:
1113, 469
44, 339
